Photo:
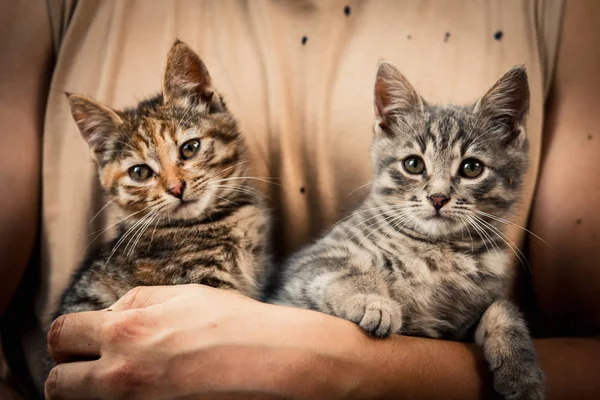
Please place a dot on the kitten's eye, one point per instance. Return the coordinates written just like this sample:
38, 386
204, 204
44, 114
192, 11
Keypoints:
140, 172
189, 149
414, 165
471, 168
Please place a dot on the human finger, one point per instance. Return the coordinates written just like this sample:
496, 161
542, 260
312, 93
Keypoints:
75, 335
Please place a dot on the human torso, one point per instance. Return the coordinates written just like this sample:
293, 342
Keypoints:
305, 106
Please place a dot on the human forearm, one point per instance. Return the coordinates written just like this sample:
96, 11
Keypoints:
172, 342
398, 367
416, 368
25, 50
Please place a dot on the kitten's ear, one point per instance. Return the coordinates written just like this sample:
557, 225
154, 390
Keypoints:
394, 95
504, 107
96, 122
186, 77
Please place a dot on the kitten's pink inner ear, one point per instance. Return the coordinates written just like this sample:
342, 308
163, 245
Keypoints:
393, 93
508, 97
186, 76
381, 99
96, 122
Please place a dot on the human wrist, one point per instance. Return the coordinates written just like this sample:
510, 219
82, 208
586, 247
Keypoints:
322, 360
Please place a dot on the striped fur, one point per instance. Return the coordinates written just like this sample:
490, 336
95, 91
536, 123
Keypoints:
216, 233
398, 264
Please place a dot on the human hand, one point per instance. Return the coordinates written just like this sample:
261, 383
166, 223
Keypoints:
192, 341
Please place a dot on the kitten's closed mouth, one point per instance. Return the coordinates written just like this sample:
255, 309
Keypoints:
438, 216
185, 204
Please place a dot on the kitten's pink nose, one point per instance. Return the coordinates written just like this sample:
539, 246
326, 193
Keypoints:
177, 189
438, 200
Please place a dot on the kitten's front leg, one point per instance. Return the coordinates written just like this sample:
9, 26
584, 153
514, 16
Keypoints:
364, 299
509, 351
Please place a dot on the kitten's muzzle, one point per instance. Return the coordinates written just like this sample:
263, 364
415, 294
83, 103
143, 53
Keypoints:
438, 201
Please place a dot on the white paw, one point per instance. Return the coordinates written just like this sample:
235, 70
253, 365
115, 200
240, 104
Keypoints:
378, 315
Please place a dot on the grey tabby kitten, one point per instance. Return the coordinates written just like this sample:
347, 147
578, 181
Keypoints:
177, 167
425, 255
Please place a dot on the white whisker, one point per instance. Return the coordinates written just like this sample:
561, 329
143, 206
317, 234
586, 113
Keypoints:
462, 222
227, 200
102, 209
383, 209
360, 187
137, 230
101, 231
507, 222
235, 165
125, 235
479, 232
487, 235
142, 230
507, 241
377, 224
154, 231
246, 177
242, 189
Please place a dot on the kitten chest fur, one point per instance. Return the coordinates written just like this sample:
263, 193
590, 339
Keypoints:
443, 287
227, 252
445, 292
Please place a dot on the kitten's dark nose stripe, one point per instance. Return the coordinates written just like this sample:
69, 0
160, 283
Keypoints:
438, 201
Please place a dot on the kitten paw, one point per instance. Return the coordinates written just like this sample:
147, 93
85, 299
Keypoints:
378, 315
515, 383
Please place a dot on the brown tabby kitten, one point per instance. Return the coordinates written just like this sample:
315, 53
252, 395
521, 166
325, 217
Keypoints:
425, 255
176, 165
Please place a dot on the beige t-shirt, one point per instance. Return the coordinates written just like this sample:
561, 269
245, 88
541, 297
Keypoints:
297, 74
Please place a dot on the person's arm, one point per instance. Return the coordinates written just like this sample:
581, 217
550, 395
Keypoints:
176, 341
25, 54
197, 342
